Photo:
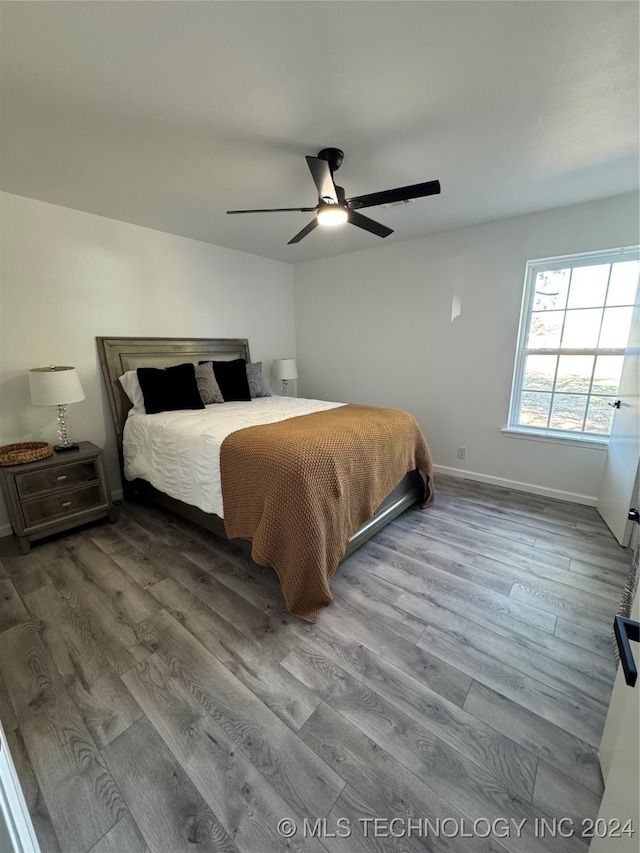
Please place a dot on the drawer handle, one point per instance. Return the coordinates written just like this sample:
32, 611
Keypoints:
61, 477
65, 503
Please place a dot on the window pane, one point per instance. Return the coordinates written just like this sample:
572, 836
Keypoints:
606, 379
588, 286
568, 411
534, 408
572, 341
615, 327
539, 372
574, 373
599, 416
624, 283
551, 290
545, 328
581, 328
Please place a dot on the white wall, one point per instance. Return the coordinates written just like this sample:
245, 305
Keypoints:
68, 276
375, 327
372, 327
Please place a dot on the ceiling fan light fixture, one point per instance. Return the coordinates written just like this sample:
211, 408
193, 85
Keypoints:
331, 215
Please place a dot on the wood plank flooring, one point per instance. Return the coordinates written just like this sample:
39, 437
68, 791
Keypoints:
156, 694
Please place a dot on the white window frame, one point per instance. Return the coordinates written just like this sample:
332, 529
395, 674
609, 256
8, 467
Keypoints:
513, 428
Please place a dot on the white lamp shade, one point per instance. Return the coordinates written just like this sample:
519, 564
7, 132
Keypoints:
55, 386
284, 368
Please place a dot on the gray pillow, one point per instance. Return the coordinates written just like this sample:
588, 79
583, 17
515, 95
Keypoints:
257, 385
207, 384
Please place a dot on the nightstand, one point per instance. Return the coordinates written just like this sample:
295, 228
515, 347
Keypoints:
56, 494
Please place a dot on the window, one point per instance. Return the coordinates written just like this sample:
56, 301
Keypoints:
574, 328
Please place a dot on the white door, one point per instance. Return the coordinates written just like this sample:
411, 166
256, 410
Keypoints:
617, 829
623, 457
17, 834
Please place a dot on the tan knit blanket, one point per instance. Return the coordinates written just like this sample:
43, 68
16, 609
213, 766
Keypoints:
300, 488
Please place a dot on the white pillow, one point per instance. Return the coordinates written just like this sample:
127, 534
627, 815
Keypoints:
132, 389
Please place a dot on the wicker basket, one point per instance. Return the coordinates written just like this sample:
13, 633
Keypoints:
27, 451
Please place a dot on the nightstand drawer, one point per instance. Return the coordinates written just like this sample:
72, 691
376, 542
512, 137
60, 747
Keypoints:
73, 501
35, 483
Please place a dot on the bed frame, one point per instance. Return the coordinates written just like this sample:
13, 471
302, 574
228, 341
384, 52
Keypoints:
117, 355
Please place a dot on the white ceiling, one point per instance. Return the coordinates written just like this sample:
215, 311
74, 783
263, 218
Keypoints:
166, 114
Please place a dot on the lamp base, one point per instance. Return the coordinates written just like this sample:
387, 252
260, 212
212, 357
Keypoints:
63, 434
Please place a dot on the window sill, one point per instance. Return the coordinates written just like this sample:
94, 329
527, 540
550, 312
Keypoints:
555, 438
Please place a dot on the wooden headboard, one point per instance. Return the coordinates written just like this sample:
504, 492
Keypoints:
117, 355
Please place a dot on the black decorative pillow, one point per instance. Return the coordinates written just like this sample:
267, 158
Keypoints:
207, 384
231, 377
257, 385
169, 389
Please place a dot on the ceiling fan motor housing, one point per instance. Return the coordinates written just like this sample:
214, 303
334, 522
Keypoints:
333, 156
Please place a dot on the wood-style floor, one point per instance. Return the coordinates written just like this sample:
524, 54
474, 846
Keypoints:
158, 697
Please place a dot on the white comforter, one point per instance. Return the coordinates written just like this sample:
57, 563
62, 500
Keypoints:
179, 452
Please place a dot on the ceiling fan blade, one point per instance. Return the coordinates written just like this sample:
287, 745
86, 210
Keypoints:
322, 178
275, 210
399, 194
361, 221
306, 230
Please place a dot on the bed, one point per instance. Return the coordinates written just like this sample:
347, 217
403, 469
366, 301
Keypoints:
323, 522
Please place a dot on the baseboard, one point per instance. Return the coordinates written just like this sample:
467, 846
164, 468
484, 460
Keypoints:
557, 494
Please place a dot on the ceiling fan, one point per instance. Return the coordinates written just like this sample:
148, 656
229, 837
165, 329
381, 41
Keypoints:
334, 208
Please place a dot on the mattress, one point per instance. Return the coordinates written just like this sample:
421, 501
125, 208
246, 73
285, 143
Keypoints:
179, 452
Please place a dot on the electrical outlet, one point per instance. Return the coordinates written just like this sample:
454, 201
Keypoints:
462, 453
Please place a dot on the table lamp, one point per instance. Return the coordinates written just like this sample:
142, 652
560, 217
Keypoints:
284, 369
56, 386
